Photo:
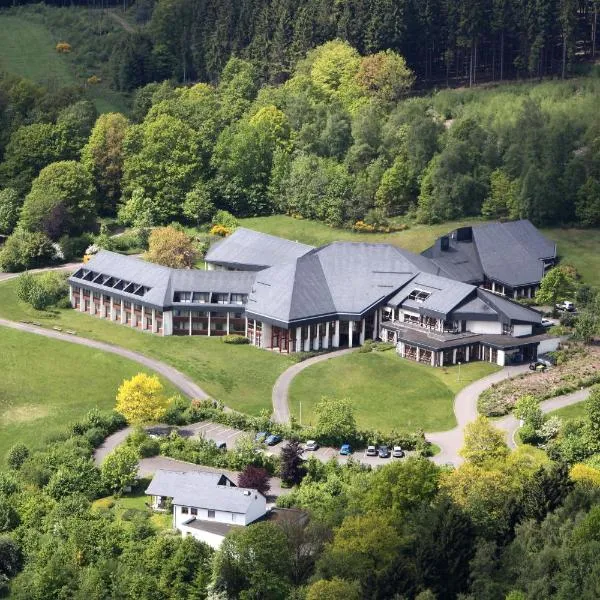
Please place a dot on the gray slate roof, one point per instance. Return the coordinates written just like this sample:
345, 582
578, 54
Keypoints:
201, 490
162, 281
248, 248
511, 253
513, 311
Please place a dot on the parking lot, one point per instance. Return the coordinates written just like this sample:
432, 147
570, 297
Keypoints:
213, 431
221, 433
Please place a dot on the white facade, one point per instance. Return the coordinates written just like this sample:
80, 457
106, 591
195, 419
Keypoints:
491, 327
519, 330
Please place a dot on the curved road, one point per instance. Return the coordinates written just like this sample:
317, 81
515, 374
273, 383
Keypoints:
279, 397
178, 379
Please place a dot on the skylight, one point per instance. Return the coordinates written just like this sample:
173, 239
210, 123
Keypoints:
419, 295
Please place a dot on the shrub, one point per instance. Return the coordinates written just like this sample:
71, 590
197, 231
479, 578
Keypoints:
235, 339
220, 230
17, 455
149, 448
63, 47
95, 436
225, 219
26, 250
74, 247
528, 434
43, 290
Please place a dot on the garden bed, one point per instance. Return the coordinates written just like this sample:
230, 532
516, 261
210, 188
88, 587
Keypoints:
577, 366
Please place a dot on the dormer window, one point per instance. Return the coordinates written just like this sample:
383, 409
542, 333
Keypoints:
419, 295
182, 297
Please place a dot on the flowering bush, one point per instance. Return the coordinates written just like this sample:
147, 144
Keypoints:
220, 230
94, 80
63, 47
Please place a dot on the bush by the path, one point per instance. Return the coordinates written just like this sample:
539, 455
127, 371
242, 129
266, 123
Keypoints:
233, 338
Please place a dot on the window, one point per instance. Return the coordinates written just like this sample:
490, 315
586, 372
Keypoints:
222, 298
201, 297
194, 511
419, 295
238, 298
182, 297
184, 510
211, 514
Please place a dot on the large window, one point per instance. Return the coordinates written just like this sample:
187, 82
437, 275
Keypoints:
238, 298
201, 297
222, 298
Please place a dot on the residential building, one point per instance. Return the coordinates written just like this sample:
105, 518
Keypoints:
446, 306
205, 505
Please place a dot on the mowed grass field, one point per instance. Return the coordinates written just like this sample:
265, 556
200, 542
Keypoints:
575, 411
28, 49
241, 377
46, 384
581, 248
387, 392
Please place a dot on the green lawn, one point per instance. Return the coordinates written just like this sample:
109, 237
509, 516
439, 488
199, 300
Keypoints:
575, 411
28, 49
240, 376
387, 391
46, 384
581, 248
135, 501
416, 239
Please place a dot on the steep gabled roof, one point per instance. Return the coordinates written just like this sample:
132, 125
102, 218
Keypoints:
512, 311
251, 249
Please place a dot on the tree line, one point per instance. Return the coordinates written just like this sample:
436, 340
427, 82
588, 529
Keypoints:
443, 41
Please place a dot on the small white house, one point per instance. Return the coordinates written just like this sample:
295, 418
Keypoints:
205, 505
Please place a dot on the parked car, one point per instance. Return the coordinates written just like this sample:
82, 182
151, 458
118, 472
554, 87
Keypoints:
345, 449
397, 452
537, 366
566, 305
261, 436
546, 359
311, 445
273, 439
384, 452
547, 323
371, 451
221, 445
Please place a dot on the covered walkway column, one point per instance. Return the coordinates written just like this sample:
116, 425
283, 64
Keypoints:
326, 340
375, 324
228, 313
81, 305
350, 333
307, 341
317, 335
153, 320
361, 337
298, 339
209, 323
91, 302
254, 334
246, 328
112, 309
336, 335
122, 312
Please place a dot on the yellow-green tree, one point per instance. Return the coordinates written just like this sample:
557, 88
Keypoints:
171, 247
333, 589
141, 399
483, 442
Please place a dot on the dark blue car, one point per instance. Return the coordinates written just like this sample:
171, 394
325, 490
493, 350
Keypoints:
273, 439
346, 450
261, 436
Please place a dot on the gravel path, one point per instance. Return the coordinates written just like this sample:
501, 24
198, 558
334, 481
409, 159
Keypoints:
178, 379
510, 424
65, 267
281, 408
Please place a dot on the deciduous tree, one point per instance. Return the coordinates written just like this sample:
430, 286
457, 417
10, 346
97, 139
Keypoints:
255, 478
171, 247
483, 442
141, 399
119, 469
335, 420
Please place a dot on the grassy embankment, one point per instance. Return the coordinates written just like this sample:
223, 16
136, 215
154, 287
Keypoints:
387, 392
28, 49
46, 384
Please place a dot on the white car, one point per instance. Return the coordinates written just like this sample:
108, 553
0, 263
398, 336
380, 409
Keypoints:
371, 451
397, 452
311, 445
547, 323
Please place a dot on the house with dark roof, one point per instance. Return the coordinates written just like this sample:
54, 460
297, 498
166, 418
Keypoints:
453, 303
508, 258
205, 505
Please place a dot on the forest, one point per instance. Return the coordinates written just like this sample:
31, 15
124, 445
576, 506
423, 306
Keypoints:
338, 142
502, 526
